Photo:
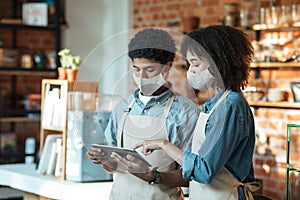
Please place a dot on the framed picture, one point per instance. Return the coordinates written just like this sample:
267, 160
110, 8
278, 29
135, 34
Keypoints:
35, 14
295, 86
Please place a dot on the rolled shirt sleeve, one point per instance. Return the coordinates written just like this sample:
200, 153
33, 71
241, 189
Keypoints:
188, 160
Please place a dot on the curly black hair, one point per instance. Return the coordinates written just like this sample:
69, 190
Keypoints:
229, 48
153, 44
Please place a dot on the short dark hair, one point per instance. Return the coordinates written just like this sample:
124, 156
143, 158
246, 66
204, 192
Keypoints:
154, 44
229, 48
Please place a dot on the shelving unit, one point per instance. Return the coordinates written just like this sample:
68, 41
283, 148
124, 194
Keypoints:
259, 66
13, 114
63, 87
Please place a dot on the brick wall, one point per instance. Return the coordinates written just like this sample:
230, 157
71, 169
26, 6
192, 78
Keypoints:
26, 42
270, 152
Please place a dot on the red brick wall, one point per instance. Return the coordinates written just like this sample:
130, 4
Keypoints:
270, 154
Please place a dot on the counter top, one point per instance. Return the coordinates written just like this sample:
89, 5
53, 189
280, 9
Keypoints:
24, 177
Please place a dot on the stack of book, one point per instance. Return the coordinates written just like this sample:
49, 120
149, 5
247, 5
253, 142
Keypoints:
54, 103
51, 156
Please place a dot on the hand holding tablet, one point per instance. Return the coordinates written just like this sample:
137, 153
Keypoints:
123, 152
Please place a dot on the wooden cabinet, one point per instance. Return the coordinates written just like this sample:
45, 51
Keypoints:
18, 82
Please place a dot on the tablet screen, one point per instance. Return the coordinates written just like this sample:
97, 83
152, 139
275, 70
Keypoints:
121, 151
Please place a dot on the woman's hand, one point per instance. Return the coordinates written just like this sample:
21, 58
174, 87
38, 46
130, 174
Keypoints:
150, 145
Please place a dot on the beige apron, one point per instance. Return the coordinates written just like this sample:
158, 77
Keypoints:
135, 129
224, 186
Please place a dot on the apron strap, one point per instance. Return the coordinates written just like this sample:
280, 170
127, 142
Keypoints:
126, 111
199, 132
249, 188
168, 107
220, 100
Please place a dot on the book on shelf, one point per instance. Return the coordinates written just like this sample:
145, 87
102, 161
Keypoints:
52, 159
49, 155
53, 105
48, 107
59, 152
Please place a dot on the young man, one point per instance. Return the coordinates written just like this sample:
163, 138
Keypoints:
154, 111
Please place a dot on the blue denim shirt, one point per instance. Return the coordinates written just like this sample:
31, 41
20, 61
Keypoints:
230, 140
180, 123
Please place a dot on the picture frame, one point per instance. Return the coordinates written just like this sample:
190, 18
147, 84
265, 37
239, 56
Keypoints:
35, 14
295, 87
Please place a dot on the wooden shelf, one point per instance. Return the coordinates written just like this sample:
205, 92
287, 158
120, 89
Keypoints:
275, 65
50, 27
275, 28
283, 104
18, 119
27, 72
53, 129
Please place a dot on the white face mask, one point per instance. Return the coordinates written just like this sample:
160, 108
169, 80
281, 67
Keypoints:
200, 81
149, 85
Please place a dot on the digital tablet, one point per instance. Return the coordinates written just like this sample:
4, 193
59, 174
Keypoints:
121, 151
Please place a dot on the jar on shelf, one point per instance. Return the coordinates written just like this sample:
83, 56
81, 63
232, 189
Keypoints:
231, 14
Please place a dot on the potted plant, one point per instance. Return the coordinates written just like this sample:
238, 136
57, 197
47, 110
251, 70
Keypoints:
69, 65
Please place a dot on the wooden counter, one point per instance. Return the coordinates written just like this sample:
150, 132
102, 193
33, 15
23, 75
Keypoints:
25, 178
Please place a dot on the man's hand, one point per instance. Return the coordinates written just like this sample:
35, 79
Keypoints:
130, 163
99, 157
96, 155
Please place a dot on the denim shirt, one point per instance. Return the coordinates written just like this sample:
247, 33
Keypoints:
180, 121
230, 140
